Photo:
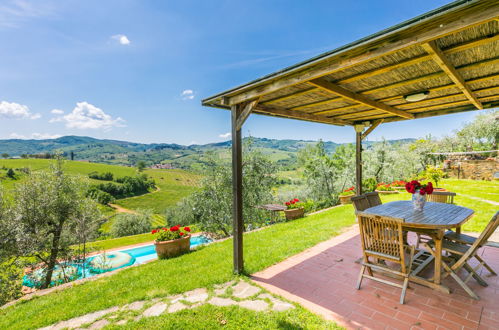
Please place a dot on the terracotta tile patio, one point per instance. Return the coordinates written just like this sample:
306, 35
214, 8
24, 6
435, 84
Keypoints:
323, 279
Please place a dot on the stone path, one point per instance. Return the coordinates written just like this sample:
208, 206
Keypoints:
238, 293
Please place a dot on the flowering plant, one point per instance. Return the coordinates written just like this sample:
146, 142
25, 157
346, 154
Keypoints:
398, 183
348, 192
294, 204
384, 187
413, 186
168, 234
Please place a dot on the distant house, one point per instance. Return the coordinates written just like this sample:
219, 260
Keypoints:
162, 167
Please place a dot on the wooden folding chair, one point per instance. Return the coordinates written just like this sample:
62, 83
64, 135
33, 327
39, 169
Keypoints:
441, 197
461, 254
373, 198
382, 238
360, 203
437, 197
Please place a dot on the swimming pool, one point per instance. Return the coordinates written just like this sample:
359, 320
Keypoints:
137, 255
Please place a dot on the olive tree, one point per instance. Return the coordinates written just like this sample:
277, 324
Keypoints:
211, 206
51, 213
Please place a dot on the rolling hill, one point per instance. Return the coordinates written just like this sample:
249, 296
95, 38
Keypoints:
129, 153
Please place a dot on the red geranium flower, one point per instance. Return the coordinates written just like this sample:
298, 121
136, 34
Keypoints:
293, 202
287, 203
181, 234
174, 228
296, 200
187, 229
154, 231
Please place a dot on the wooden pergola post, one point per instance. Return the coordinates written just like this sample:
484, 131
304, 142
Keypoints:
240, 112
237, 191
358, 158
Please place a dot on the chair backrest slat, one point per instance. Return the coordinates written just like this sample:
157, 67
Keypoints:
360, 203
382, 235
373, 198
441, 197
481, 240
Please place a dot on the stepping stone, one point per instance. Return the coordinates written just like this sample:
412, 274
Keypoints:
256, 305
244, 290
178, 306
282, 306
221, 288
99, 324
217, 301
136, 305
278, 305
122, 322
175, 298
79, 321
197, 295
155, 310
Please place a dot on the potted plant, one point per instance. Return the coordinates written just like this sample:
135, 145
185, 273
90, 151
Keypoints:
346, 196
294, 209
398, 184
172, 242
418, 192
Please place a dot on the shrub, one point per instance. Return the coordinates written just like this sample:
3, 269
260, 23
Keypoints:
100, 196
127, 224
11, 278
107, 176
434, 174
11, 174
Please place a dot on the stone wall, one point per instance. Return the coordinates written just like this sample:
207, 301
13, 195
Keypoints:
473, 169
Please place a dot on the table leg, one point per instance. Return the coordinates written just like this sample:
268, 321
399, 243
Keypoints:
458, 230
438, 257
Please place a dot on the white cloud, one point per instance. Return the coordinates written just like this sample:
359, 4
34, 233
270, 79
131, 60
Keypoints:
16, 136
36, 136
88, 116
44, 136
187, 94
57, 112
121, 38
225, 135
17, 111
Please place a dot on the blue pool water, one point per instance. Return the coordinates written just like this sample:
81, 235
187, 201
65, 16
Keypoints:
139, 255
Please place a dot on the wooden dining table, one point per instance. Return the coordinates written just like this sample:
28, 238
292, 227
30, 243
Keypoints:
433, 220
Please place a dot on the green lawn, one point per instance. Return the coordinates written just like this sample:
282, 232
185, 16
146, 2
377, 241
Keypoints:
173, 186
209, 265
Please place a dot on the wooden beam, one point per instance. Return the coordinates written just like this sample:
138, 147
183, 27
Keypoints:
345, 93
371, 128
237, 192
293, 114
334, 110
245, 113
312, 71
444, 63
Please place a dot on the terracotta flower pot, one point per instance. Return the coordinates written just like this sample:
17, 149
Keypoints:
173, 248
346, 199
294, 213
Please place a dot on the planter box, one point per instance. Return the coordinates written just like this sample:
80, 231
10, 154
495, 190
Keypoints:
382, 192
344, 200
173, 248
294, 213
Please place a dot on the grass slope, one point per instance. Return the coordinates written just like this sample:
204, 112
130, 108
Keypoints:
210, 265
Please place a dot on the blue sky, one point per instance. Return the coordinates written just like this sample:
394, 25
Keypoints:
137, 70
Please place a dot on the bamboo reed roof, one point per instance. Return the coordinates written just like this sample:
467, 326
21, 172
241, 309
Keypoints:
451, 52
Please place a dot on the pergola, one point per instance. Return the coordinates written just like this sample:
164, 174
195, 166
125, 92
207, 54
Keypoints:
442, 62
